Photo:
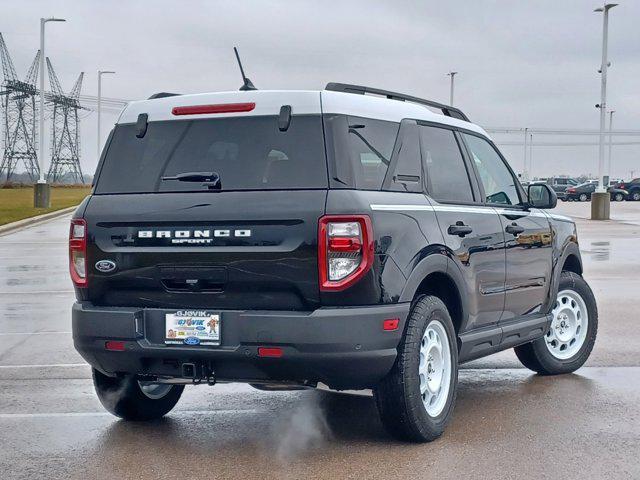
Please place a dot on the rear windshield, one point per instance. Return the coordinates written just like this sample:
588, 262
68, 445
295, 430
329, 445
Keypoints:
248, 153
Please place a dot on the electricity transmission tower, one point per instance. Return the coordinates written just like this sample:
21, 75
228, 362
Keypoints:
65, 133
18, 117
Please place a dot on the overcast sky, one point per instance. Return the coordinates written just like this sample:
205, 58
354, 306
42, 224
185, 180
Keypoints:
530, 63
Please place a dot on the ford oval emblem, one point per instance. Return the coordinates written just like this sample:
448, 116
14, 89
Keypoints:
192, 341
105, 266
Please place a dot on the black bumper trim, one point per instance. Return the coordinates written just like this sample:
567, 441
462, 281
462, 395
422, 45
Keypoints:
342, 347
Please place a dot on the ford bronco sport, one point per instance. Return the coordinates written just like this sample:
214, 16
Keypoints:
351, 237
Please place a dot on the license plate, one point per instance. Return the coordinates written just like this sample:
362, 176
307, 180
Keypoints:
192, 327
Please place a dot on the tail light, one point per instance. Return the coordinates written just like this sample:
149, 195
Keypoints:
621, 185
571, 190
345, 250
78, 252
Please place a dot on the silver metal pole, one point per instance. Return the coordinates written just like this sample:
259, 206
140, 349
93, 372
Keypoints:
99, 100
41, 130
452, 75
603, 92
611, 112
99, 141
525, 175
531, 153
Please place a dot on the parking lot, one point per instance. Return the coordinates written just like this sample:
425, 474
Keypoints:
508, 423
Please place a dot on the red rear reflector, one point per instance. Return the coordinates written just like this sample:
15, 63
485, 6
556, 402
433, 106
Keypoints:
220, 108
344, 244
274, 352
390, 324
114, 346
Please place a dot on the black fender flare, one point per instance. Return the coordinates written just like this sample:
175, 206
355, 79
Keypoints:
436, 263
569, 249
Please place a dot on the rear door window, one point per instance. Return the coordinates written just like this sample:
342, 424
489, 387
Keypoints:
249, 153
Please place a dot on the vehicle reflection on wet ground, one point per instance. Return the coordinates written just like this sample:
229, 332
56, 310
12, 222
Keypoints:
508, 422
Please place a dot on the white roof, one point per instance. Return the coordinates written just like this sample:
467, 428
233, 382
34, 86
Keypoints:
268, 102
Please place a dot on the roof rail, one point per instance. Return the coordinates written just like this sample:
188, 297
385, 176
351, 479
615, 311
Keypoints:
361, 90
163, 95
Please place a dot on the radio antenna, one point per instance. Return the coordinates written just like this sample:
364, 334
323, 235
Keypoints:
247, 84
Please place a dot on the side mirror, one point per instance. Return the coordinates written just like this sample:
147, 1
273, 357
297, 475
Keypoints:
542, 195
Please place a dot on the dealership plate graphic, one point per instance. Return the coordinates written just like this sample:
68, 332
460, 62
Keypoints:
192, 327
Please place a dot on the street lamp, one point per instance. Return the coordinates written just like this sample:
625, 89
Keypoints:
41, 196
451, 74
600, 200
100, 73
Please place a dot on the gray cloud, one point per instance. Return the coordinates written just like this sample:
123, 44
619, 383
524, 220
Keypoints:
521, 63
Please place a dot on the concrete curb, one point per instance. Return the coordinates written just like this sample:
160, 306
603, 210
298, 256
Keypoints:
27, 222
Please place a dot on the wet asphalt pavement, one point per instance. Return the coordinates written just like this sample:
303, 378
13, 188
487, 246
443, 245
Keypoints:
508, 422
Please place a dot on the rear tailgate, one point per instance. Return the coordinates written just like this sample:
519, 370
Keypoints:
227, 250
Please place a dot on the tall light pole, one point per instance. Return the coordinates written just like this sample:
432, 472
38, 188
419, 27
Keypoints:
452, 75
100, 73
41, 197
611, 112
600, 200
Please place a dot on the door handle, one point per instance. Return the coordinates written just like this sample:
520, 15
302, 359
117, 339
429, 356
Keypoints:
459, 229
514, 229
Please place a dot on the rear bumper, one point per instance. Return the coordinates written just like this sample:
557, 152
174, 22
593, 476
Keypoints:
341, 347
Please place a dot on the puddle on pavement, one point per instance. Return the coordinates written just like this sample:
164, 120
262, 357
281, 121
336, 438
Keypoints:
600, 251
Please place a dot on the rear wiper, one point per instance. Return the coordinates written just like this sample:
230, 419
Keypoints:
210, 179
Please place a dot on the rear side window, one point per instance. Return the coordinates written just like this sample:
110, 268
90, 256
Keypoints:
370, 147
447, 176
249, 153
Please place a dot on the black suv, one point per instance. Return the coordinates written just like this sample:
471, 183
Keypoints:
349, 237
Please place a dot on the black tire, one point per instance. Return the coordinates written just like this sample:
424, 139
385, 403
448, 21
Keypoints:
123, 397
635, 195
583, 197
618, 197
537, 357
398, 395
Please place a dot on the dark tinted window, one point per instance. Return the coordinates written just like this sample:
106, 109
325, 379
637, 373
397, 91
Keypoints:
499, 184
370, 146
247, 152
407, 176
447, 177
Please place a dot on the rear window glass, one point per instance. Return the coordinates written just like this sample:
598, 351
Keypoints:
248, 153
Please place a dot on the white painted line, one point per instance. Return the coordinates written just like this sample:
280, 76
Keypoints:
107, 414
52, 365
37, 292
33, 333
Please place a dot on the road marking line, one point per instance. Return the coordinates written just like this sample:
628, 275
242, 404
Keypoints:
52, 365
36, 292
33, 333
107, 414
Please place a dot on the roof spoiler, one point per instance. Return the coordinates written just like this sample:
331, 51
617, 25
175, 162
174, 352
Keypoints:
163, 95
447, 110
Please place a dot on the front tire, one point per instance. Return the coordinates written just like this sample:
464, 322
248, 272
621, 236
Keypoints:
569, 342
129, 399
416, 399
618, 197
583, 197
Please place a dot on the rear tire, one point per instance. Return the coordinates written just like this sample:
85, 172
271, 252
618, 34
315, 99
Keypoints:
416, 399
583, 197
126, 398
618, 197
571, 337
635, 196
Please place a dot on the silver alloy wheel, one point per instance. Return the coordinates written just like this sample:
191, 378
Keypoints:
569, 325
435, 368
618, 197
583, 197
154, 391
635, 196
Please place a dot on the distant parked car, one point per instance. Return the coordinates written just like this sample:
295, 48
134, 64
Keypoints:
633, 187
560, 185
582, 192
